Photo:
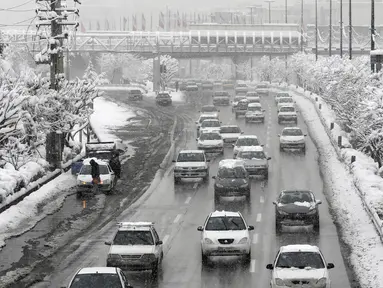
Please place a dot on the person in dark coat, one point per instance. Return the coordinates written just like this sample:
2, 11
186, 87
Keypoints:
95, 172
115, 164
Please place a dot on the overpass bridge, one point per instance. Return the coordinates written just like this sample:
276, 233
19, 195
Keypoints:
196, 43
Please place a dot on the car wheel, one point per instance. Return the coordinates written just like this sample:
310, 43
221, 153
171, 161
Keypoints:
280, 148
216, 199
248, 197
177, 180
247, 259
267, 175
206, 178
155, 269
236, 116
204, 259
278, 226
304, 150
316, 225
246, 120
279, 121
79, 194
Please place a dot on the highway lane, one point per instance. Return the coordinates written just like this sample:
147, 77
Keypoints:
178, 210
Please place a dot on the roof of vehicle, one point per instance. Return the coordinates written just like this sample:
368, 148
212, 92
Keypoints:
230, 126
244, 101
98, 270
209, 106
299, 248
241, 85
252, 149
98, 161
221, 92
296, 191
192, 151
203, 115
252, 93
225, 213
211, 120
281, 94
247, 137
286, 105
255, 105
141, 226
291, 128
240, 96
230, 163
285, 98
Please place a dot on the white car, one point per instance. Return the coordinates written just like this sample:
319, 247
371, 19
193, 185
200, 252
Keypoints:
300, 266
255, 113
210, 142
225, 234
136, 246
256, 161
262, 89
283, 101
281, 95
97, 277
292, 138
245, 141
84, 177
230, 133
202, 118
191, 164
236, 101
241, 88
210, 125
287, 113
210, 110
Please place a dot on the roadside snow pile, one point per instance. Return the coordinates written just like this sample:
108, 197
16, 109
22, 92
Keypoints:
366, 249
23, 216
108, 117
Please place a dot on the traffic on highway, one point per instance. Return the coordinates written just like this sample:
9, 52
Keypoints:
243, 205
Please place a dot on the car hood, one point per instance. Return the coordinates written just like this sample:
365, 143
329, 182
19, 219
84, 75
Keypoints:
296, 273
292, 138
210, 129
190, 164
236, 234
230, 135
254, 162
131, 249
297, 207
287, 113
209, 142
231, 182
88, 178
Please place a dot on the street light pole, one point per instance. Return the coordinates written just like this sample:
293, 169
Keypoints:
372, 31
269, 1
350, 29
330, 32
286, 11
301, 25
341, 29
316, 30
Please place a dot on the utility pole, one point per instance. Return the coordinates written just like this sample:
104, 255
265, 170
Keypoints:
269, 1
316, 30
330, 32
286, 11
350, 29
302, 26
341, 29
372, 31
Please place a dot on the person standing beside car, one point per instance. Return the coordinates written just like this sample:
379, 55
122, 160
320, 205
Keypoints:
95, 172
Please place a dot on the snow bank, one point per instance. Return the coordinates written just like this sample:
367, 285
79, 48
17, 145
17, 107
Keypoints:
107, 117
348, 184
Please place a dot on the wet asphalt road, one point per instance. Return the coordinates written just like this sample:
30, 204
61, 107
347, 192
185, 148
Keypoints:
178, 210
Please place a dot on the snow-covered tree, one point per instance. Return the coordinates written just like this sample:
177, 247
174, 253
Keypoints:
15, 152
214, 71
245, 70
90, 75
172, 67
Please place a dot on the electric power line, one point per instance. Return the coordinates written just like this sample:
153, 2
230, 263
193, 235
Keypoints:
14, 24
17, 6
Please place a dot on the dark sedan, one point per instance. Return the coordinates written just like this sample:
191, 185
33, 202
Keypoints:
164, 99
296, 208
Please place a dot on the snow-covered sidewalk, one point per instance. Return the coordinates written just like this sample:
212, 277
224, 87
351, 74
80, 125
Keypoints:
343, 180
108, 116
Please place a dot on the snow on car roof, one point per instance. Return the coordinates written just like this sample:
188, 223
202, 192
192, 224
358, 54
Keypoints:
98, 161
230, 126
255, 105
210, 120
192, 151
207, 116
299, 248
98, 270
291, 128
224, 213
230, 163
247, 137
252, 149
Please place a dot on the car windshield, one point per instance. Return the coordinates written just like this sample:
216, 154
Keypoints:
287, 109
292, 132
262, 86
209, 109
252, 94
210, 124
239, 98
230, 130
205, 118
225, 223
191, 157
96, 280
300, 260
87, 170
210, 136
223, 93
251, 155
288, 198
135, 91
283, 95
133, 237
163, 95
247, 142
235, 172
254, 108
285, 100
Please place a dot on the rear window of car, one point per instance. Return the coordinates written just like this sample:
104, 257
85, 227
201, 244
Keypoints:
209, 109
210, 136
287, 109
292, 132
163, 95
223, 93
135, 92
87, 170
247, 142
98, 280
230, 130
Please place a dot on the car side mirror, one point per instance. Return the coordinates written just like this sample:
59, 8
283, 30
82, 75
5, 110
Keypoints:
219, 110
213, 177
108, 243
233, 145
196, 122
279, 135
174, 161
200, 228
207, 160
262, 145
264, 110
268, 158
196, 139
250, 228
242, 132
77, 174
269, 266
304, 134
319, 202
159, 242
330, 265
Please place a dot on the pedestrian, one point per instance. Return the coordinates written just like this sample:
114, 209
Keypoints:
176, 86
115, 164
95, 172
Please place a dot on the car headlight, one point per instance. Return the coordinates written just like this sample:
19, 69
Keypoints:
244, 185
244, 240
149, 257
279, 282
220, 144
321, 282
114, 256
208, 241
219, 185
106, 181
312, 211
282, 212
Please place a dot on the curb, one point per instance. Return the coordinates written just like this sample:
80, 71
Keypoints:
378, 223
